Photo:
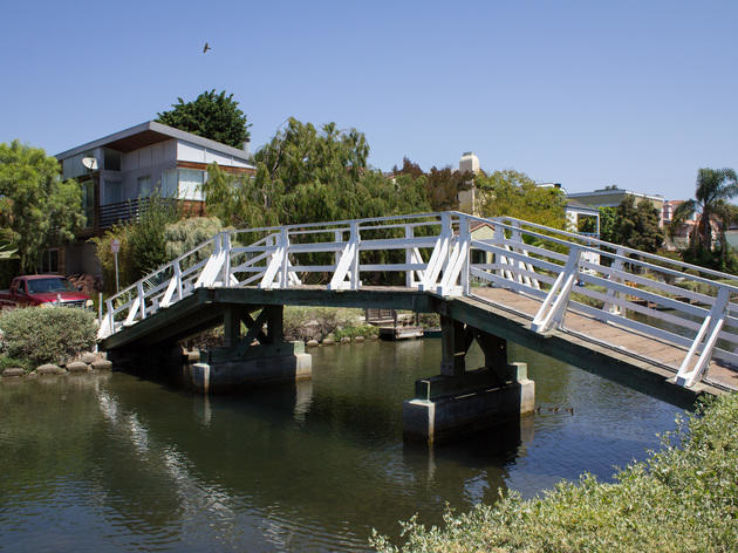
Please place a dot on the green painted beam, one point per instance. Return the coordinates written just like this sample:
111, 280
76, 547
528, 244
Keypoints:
205, 308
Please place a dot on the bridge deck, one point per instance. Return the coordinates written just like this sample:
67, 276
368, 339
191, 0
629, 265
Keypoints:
648, 348
640, 362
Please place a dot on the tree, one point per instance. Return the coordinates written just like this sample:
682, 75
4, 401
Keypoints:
607, 224
514, 194
714, 188
307, 175
442, 186
210, 115
637, 226
38, 208
608, 218
146, 236
142, 244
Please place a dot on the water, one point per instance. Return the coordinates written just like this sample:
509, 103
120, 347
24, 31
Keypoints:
120, 464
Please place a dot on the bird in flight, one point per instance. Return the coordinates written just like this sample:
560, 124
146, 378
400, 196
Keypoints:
206, 48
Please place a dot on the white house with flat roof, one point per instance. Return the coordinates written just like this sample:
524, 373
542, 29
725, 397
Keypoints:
613, 196
129, 166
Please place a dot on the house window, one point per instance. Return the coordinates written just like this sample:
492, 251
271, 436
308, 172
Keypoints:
169, 184
111, 160
113, 191
144, 186
190, 184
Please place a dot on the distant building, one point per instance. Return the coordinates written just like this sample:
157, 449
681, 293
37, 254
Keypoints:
613, 196
128, 167
468, 201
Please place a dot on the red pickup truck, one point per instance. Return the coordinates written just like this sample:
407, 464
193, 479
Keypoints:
44, 290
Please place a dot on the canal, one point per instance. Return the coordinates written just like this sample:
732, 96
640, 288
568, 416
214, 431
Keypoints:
116, 463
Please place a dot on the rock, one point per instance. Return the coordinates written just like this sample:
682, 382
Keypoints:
374, 337
328, 341
50, 368
77, 367
359, 339
102, 365
88, 358
13, 372
312, 344
345, 340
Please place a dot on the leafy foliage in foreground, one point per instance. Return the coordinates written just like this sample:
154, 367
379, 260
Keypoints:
682, 499
47, 335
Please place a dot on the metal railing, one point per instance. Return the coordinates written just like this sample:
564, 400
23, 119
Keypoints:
668, 300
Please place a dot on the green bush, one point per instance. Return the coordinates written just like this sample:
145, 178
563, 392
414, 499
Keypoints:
186, 234
328, 319
13, 363
354, 331
47, 335
684, 498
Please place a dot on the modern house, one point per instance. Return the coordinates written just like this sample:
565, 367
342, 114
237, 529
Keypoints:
612, 196
120, 172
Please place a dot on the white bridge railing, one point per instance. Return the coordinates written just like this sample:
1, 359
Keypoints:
455, 254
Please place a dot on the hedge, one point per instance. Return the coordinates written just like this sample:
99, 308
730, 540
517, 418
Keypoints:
47, 334
683, 498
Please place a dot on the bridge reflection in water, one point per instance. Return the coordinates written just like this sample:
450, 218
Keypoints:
129, 464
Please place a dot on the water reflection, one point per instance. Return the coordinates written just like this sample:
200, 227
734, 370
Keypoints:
125, 464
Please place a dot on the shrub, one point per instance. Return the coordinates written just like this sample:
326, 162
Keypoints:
683, 498
186, 234
13, 363
328, 319
47, 335
354, 331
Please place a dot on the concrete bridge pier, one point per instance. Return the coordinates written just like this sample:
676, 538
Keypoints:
458, 401
260, 356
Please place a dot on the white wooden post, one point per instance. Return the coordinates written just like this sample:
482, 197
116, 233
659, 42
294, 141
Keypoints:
552, 311
706, 337
348, 263
465, 236
111, 316
142, 298
439, 257
227, 260
284, 262
617, 269
409, 235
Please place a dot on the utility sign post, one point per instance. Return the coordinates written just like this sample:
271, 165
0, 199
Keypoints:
115, 248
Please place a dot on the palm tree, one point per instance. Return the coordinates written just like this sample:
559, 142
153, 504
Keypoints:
714, 188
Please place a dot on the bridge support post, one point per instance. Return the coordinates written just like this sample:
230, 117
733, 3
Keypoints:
261, 356
458, 402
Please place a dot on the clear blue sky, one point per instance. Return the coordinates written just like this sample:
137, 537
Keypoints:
637, 94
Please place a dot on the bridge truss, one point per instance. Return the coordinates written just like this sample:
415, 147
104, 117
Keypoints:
454, 254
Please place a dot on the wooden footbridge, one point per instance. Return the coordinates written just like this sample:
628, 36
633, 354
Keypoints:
647, 321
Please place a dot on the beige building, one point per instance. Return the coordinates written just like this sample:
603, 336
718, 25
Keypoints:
613, 196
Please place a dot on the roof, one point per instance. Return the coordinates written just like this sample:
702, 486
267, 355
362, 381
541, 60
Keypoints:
580, 207
149, 133
609, 191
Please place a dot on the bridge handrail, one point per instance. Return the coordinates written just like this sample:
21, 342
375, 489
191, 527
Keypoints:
630, 260
603, 243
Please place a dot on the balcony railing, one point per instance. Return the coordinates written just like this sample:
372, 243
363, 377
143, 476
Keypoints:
121, 212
